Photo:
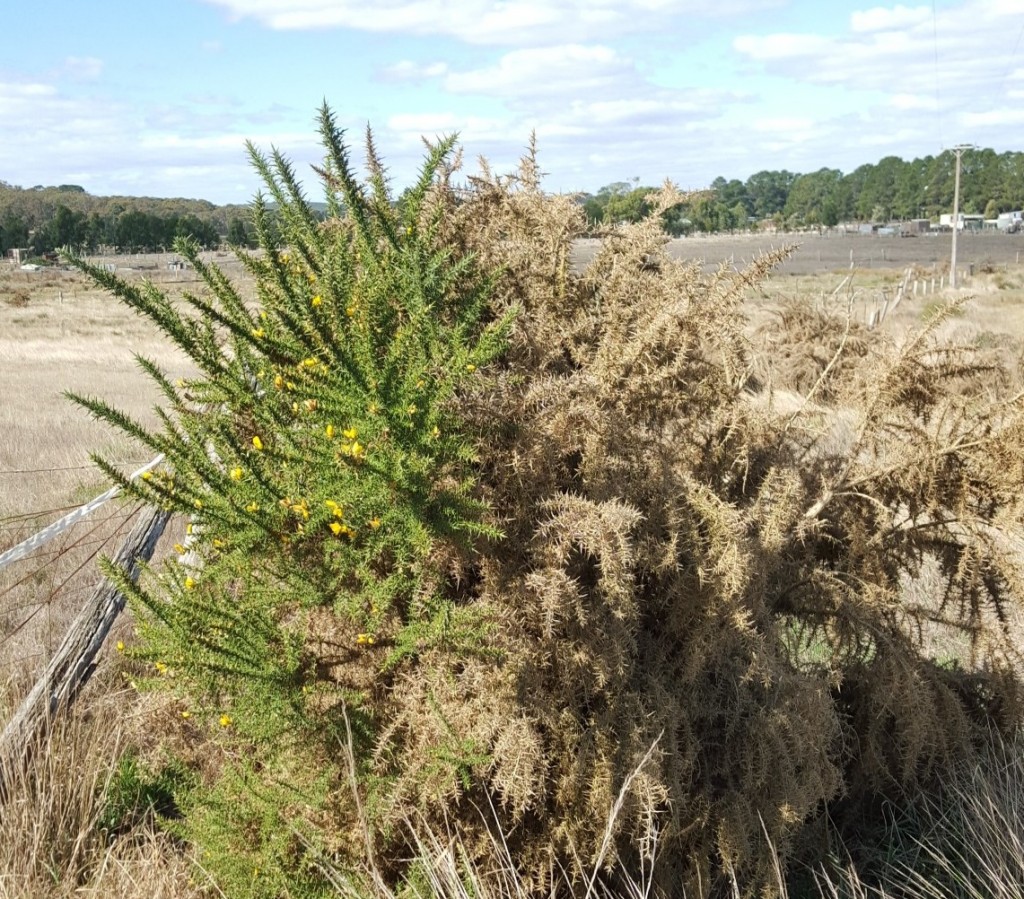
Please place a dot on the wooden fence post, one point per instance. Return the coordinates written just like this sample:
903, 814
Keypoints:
75, 660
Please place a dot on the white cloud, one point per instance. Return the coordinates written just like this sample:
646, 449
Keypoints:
565, 68
880, 18
933, 71
913, 101
1009, 115
783, 125
781, 46
483, 21
407, 70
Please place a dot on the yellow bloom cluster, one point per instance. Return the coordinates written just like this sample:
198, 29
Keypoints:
300, 508
365, 639
257, 443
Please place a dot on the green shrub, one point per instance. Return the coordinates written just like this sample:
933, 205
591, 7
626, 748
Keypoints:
478, 536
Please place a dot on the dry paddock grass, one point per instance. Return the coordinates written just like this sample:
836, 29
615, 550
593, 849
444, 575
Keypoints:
70, 336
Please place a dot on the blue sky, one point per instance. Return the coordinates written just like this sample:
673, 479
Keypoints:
158, 98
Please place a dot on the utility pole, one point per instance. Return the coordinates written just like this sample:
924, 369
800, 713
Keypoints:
958, 150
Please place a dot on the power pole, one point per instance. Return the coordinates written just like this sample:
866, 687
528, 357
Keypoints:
958, 150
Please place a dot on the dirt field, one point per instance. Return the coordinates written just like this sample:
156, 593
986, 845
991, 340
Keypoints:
834, 251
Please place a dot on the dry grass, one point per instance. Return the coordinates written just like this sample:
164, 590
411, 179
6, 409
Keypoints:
51, 844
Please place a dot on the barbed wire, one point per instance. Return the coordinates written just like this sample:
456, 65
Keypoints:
41, 538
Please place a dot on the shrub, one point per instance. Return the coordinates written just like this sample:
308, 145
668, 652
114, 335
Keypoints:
493, 528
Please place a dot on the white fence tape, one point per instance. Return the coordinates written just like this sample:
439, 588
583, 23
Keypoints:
58, 527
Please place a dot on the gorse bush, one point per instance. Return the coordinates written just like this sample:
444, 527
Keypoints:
513, 536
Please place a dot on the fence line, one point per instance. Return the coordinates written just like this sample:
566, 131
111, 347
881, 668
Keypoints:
75, 660
41, 538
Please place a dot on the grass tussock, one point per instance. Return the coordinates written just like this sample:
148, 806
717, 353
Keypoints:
527, 539
55, 817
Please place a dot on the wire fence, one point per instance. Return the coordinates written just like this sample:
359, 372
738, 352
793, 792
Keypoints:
41, 538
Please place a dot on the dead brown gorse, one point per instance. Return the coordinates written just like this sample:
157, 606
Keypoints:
675, 544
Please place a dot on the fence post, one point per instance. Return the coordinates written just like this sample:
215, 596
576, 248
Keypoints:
75, 660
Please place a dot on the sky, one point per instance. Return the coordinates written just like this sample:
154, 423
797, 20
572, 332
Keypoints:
158, 98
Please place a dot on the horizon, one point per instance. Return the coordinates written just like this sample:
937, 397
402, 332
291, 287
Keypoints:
125, 103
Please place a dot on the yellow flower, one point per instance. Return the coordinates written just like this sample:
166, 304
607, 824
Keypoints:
412, 410
257, 443
190, 583
258, 332
120, 645
336, 510
189, 528
278, 382
252, 507
336, 528
357, 450
180, 382
263, 315
350, 311
225, 721
350, 433
284, 257
375, 523
365, 639
436, 432
316, 301
147, 476
161, 668
312, 277
295, 408
186, 714
198, 504
308, 362
218, 543
373, 408
330, 432
236, 474
420, 382
179, 549
471, 368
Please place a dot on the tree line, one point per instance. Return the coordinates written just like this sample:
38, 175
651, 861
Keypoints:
47, 218
44, 219
891, 189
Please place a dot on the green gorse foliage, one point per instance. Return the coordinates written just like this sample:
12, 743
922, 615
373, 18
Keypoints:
317, 455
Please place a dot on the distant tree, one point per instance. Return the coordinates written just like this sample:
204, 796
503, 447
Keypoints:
627, 207
768, 191
808, 195
66, 228
237, 234
13, 232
